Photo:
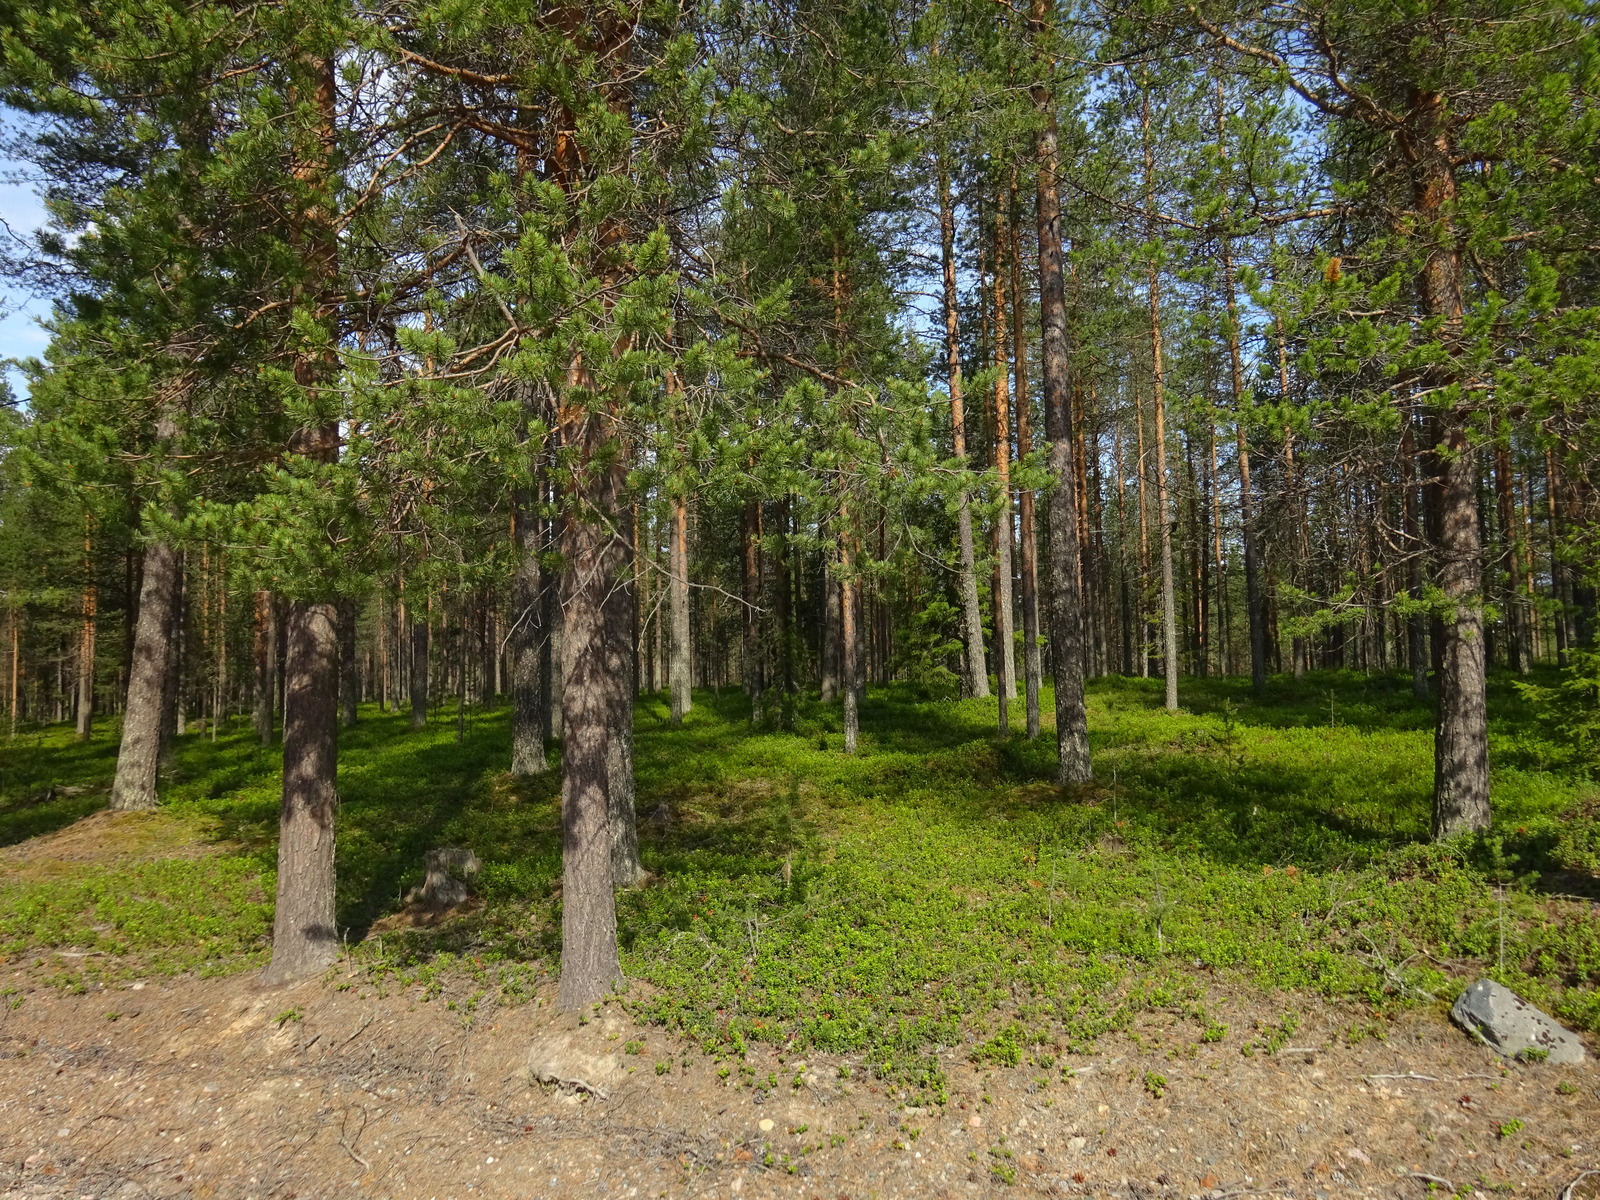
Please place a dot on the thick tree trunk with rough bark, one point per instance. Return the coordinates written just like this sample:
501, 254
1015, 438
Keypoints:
305, 939
977, 670
589, 965
678, 601
138, 757
528, 756
1066, 601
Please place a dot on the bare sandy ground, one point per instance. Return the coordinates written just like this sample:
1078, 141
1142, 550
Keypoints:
206, 1088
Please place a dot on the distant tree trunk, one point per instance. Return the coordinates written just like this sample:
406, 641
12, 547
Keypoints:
86, 638
349, 678
305, 940
528, 632
680, 680
1066, 601
1416, 629
134, 787
1560, 582
750, 625
549, 649
420, 636
1255, 606
173, 716
977, 671
1299, 553
1032, 665
626, 870
832, 622
849, 667
1517, 656
1461, 741
264, 658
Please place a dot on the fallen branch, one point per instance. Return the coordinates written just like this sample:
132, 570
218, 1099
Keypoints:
1407, 1075
1570, 1190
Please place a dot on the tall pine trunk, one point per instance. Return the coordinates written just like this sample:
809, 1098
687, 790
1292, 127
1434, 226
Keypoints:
1032, 665
1255, 603
1006, 665
304, 938
1066, 601
977, 670
1461, 738
1164, 520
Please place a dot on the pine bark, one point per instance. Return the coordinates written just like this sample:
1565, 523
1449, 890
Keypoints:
305, 939
590, 967
977, 670
1066, 602
133, 789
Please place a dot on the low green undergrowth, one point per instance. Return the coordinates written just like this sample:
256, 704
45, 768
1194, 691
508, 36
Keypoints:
935, 890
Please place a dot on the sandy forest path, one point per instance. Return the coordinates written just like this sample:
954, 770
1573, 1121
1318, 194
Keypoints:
211, 1088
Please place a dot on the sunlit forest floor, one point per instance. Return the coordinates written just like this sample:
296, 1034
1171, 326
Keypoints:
932, 918
934, 887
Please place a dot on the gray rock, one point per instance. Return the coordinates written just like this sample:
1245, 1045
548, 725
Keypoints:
1508, 1024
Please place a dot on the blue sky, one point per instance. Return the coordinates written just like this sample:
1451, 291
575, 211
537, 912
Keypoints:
20, 335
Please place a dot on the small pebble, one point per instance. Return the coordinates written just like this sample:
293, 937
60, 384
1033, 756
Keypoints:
766, 1125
